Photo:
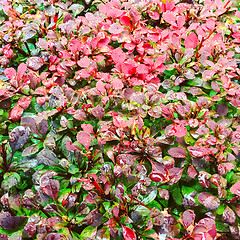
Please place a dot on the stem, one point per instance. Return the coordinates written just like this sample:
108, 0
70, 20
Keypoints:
29, 52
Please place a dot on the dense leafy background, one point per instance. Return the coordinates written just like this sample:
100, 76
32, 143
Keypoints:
119, 119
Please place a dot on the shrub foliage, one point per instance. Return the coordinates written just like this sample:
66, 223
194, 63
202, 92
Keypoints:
119, 119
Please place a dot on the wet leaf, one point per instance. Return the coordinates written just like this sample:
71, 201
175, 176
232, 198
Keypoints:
47, 157
128, 233
9, 222
18, 137
188, 218
177, 152
48, 185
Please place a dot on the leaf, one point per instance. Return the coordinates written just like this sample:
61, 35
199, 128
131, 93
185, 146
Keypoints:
228, 216
177, 152
188, 218
116, 28
35, 63
24, 102
31, 123
47, 157
43, 126
16, 113
118, 55
198, 151
48, 185
98, 112
18, 137
10, 73
56, 236
87, 128
128, 233
84, 138
9, 222
235, 189
32, 149
191, 41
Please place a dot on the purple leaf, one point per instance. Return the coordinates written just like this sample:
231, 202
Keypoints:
48, 185
18, 137
47, 157
43, 126
9, 222
177, 152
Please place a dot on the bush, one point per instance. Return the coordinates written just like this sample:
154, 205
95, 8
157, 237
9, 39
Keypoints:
119, 119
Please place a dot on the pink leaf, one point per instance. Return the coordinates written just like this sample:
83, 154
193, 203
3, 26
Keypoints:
84, 62
169, 17
117, 84
125, 20
24, 102
3, 91
235, 189
177, 152
118, 55
21, 70
128, 233
188, 218
16, 113
84, 138
191, 41
157, 177
179, 131
87, 128
35, 63
116, 28
10, 73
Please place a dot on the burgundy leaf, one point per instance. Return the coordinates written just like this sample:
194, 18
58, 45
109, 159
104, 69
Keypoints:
9, 222
29, 230
158, 177
128, 233
229, 216
43, 126
177, 152
188, 218
55, 236
192, 173
48, 185
98, 112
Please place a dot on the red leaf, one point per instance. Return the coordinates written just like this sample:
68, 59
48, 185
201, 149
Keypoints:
157, 177
191, 41
16, 113
198, 151
228, 216
177, 152
235, 189
24, 102
188, 218
84, 138
128, 233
